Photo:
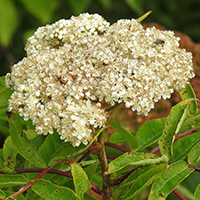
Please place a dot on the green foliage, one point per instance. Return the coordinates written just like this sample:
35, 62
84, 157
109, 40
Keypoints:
25, 152
80, 179
125, 134
134, 159
21, 142
172, 126
49, 191
169, 179
143, 169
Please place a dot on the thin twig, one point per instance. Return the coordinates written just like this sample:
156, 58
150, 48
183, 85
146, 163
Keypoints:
176, 192
116, 146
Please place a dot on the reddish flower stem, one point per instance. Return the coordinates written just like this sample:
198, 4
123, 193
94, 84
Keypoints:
176, 192
116, 146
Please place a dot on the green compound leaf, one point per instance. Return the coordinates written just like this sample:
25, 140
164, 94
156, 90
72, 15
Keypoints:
197, 193
81, 182
168, 180
9, 153
134, 159
188, 93
172, 126
23, 145
138, 181
183, 146
149, 132
125, 134
49, 191
67, 150
10, 180
194, 155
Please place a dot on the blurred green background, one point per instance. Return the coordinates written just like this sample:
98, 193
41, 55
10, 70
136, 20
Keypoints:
20, 18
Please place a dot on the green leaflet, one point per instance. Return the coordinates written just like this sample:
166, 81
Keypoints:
194, 155
188, 93
4, 97
116, 138
172, 126
50, 145
134, 159
2, 194
49, 191
138, 181
9, 153
4, 93
125, 134
183, 146
197, 193
149, 132
190, 122
168, 180
91, 170
68, 151
9, 180
23, 145
81, 182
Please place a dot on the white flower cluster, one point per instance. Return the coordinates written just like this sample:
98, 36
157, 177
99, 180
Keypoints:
72, 65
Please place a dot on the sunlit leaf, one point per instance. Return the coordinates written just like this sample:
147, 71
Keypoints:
50, 145
138, 181
68, 151
23, 145
149, 132
168, 180
188, 93
9, 21
125, 134
194, 155
2, 194
81, 182
134, 159
9, 153
172, 126
49, 191
30, 133
190, 122
197, 193
183, 146
9, 180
